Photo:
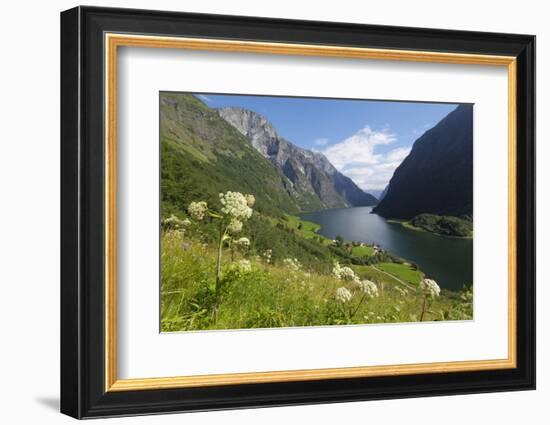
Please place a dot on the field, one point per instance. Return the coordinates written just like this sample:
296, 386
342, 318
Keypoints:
362, 251
258, 292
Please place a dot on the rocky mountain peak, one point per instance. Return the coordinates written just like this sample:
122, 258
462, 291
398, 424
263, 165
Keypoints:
256, 128
310, 172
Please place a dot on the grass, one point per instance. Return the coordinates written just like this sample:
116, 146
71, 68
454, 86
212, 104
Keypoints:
406, 224
274, 295
305, 228
466, 234
362, 251
404, 271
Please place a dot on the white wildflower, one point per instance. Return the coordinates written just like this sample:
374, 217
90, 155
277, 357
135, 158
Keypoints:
245, 266
250, 200
197, 210
174, 222
234, 226
343, 295
243, 242
344, 273
430, 287
235, 205
368, 288
292, 263
267, 255
186, 222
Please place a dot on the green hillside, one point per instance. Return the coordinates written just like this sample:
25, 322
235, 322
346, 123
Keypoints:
202, 155
284, 273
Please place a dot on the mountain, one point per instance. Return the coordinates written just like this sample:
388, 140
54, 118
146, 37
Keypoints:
202, 155
437, 175
308, 172
384, 193
379, 194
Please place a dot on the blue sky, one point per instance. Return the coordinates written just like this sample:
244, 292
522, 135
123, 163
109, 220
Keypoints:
364, 139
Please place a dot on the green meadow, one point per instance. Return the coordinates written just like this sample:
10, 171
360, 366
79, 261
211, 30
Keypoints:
259, 291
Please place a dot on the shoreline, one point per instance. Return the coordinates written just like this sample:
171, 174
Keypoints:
407, 225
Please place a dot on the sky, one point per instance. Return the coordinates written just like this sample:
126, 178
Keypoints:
364, 139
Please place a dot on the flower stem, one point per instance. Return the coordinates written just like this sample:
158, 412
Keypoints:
423, 308
358, 305
218, 270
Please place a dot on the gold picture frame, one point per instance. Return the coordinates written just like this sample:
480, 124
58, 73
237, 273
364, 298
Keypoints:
114, 41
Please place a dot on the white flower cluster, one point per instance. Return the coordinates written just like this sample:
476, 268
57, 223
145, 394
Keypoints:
174, 222
344, 273
343, 295
234, 226
430, 287
197, 210
368, 288
236, 205
245, 266
267, 255
250, 200
292, 263
243, 242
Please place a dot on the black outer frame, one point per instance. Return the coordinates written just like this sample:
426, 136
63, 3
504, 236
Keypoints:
82, 212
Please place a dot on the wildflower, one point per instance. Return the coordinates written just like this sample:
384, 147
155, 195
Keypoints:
245, 266
174, 222
171, 221
235, 205
343, 295
197, 210
234, 226
368, 288
292, 263
250, 200
178, 232
344, 273
267, 255
242, 242
430, 287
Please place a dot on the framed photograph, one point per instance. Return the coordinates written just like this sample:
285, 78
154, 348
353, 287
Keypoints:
261, 212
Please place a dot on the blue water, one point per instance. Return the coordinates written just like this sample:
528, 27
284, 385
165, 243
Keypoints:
447, 260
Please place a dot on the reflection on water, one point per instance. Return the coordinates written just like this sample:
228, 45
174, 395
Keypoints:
447, 260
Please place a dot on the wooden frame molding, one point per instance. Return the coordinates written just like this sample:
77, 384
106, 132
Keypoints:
113, 41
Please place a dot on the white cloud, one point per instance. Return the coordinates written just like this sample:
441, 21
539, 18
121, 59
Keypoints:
322, 141
359, 148
397, 154
356, 157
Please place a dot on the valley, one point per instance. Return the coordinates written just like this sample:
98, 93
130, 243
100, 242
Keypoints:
311, 251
